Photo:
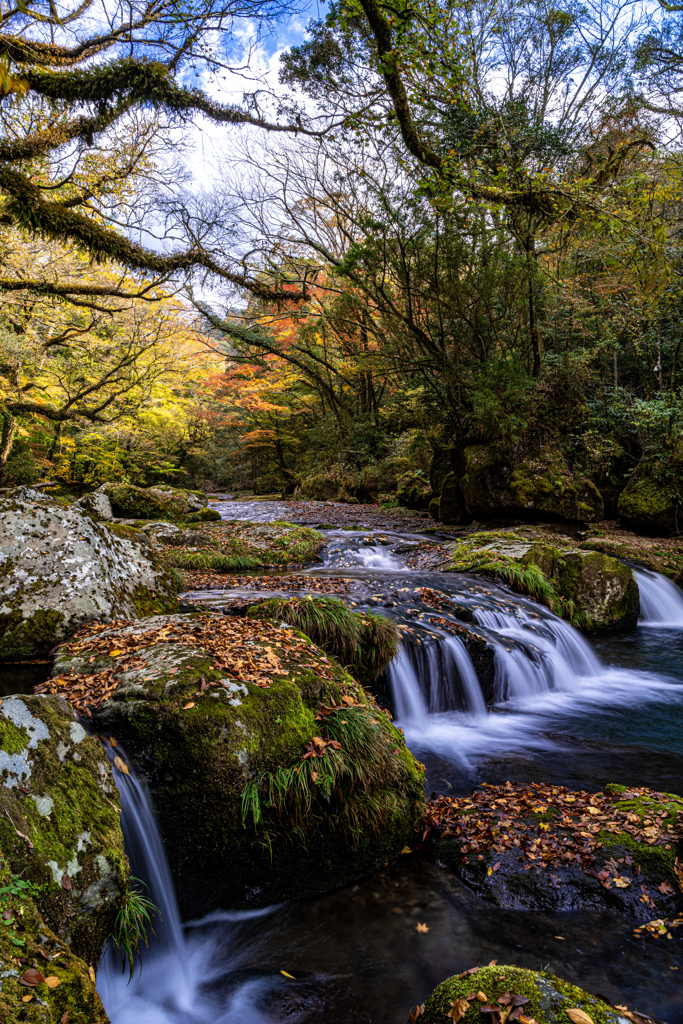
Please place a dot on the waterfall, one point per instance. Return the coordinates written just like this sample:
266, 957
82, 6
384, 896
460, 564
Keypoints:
546, 653
165, 962
438, 675
661, 601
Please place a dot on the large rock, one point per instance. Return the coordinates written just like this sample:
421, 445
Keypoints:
547, 848
414, 490
451, 508
588, 588
169, 503
59, 568
541, 997
651, 506
223, 716
502, 481
59, 820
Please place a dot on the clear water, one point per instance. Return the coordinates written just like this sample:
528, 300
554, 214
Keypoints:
567, 710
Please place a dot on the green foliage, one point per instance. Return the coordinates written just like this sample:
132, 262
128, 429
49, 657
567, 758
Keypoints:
132, 925
16, 891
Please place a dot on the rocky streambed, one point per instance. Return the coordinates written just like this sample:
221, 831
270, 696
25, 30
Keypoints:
285, 720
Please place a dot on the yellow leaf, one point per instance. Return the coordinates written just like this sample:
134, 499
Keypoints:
26, 999
422, 927
53, 981
190, 705
406, 849
622, 882
591, 810
482, 997
91, 974
578, 1016
288, 975
121, 765
114, 654
489, 872
458, 1009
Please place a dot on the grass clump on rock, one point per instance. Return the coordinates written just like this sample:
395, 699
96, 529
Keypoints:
364, 642
236, 545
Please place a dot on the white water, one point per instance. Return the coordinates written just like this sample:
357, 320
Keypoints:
184, 980
661, 601
544, 671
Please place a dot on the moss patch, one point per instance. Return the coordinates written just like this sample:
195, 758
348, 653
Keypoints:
236, 545
549, 997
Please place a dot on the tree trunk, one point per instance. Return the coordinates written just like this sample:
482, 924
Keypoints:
9, 426
533, 326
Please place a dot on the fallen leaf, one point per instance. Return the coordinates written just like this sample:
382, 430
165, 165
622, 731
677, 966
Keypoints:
31, 977
666, 889
112, 742
91, 974
578, 1016
26, 999
53, 981
64, 1019
482, 997
422, 928
121, 765
189, 705
288, 975
406, 849
66, 882
114, 654
622, 882
458, 1009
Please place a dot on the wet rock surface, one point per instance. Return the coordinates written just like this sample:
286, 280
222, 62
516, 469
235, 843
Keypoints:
273, 774
60, 568
543, 847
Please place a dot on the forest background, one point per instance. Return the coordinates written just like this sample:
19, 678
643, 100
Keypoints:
443, 241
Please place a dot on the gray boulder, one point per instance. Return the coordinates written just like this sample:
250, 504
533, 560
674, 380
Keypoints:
97, 503
59, 568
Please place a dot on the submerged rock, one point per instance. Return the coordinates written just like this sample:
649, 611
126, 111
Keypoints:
548, 848
516, 481
273, 774
650, 505
59, 821
540, 996
588, 588
59, 568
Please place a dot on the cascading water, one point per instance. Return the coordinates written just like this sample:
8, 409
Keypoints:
661, 601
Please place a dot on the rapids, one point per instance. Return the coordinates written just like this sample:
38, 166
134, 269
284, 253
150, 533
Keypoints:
562, 709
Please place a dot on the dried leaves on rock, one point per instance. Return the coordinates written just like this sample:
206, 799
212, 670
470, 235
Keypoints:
552, 826
201, 579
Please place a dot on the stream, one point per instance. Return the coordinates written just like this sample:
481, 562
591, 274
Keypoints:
561, 709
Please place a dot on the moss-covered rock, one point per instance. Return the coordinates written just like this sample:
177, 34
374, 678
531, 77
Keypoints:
545, 997
652, 501
414, 490
451, 509
170, 503
59, 820
272, 773
588, 588
60, 568
511, 481
67, 989
363, 642
235, 545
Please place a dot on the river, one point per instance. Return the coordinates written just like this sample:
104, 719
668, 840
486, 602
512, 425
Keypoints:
565, 710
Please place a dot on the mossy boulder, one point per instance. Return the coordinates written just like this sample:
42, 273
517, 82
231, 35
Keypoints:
59, 820
591, 590
502, 481
548, 848
652, 500
273, 774
414, 490
65, 989
451, 508
60, 568
236, 544
543, 997
170, 503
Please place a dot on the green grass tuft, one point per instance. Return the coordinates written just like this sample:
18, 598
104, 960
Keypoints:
132, 923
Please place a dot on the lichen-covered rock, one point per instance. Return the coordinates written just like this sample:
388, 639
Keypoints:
511, 481
65, 990
171, 503
591, 590
272, 773
542, 997
547, 848
651, 505
59, 568
59, 820
97, 504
